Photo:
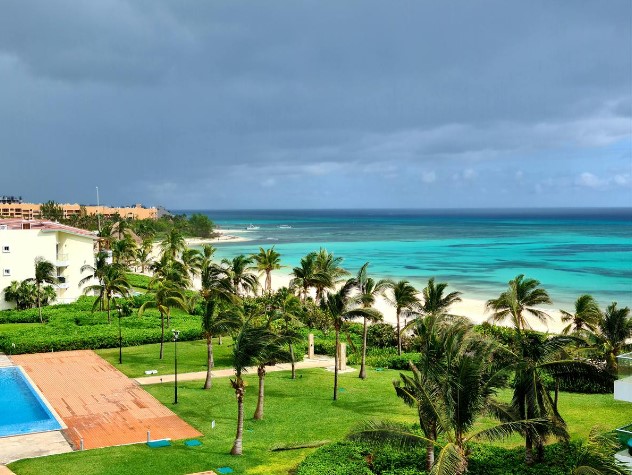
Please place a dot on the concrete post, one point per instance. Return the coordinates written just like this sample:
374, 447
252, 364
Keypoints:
310, 346
342, 357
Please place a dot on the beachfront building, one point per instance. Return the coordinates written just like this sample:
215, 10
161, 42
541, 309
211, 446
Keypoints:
17, 209
623, 392
68, 248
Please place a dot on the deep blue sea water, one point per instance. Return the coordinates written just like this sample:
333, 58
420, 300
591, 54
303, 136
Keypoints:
571, 251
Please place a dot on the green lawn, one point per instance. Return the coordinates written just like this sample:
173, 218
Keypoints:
297, 412
191, 357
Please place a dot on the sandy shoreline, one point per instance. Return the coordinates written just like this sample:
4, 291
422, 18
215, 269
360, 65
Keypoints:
472, 308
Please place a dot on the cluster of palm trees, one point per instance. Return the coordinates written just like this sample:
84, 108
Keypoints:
458, 372
32, 292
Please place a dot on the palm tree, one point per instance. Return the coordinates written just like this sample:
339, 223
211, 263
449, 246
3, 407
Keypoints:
329, 272
124, 250
95, 271
266, 261
166, 295
435, 301
521, 297
449, 395
586, 316
143, 258
106, 236
240, 273
288, 306
218, 317
22, 293
306, 275
594, 456
369, 289
248, 345
404, 300
337, 307
172, 270
173, 244
112, 281
192, 259
613, 330
45, 272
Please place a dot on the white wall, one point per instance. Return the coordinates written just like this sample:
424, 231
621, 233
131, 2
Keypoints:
623, 389
27, 244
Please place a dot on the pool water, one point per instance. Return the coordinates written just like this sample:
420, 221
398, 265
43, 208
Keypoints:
21, 409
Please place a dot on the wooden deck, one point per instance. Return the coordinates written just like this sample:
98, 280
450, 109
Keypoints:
99, 403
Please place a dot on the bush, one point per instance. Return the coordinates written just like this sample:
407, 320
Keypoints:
385, 358
381, 335
341, 458
138, 281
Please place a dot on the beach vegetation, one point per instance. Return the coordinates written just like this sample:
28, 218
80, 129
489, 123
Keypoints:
404, 298
266, 261
112, 280
241, 274
45, 273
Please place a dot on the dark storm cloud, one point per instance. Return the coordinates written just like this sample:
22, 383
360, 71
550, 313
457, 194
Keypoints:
244, 103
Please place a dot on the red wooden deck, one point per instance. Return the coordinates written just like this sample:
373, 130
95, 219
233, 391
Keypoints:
99, 403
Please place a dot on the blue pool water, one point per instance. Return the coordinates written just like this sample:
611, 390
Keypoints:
21, 409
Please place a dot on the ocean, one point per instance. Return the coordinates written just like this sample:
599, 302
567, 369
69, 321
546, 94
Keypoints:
570, 251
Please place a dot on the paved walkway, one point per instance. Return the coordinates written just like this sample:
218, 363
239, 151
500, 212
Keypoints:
317, 362
4, 362
31, 445
98, 403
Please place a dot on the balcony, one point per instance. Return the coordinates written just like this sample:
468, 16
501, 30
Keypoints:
62, 283
62, 260
623, 386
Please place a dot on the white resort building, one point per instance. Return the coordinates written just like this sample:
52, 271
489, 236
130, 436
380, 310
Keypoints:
68, 248
623, 392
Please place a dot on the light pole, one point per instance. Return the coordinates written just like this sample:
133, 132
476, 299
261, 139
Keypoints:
120, 314
176, 334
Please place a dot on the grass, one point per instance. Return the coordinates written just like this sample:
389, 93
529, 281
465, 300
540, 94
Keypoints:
191, 357
297, 412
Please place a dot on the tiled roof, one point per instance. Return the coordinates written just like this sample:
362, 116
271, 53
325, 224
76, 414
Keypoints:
46, 226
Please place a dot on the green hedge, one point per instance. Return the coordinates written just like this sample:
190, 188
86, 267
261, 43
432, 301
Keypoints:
384, 358
346, 458
138, 281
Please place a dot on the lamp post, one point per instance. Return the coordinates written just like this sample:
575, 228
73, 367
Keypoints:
120, 314
176, 334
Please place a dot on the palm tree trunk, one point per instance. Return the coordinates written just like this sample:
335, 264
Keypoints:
399, 335
162, 333
557, 393
219, 340
292, 361
430, 456
336, 364
168, 317
268, 280
239, 393
39, 303
363, 362
261, 372
209, 361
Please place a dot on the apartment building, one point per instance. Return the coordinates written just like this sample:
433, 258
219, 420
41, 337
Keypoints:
69, 248
17, 209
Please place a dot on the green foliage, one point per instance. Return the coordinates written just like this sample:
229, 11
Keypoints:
138, 281
51, 210
74, 327
342, 458
385, 358
200, 225
381, 335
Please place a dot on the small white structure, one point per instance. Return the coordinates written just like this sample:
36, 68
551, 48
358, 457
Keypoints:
68, 248
623, 392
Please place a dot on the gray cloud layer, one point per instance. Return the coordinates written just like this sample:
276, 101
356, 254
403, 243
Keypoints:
233, 104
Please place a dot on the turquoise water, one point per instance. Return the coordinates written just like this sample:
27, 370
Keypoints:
21, 410
572, 251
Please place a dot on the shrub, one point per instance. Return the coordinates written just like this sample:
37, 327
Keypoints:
381, 335
385, 358
341, 458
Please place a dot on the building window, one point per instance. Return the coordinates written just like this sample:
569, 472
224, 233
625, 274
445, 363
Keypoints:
6, 249
6, 272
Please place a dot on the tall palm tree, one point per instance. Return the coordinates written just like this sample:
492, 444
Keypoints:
306, 275
192, 259
613, 331
112, 281
288, 308
266, 261
248, 345
171, 270
586, 316
124, 250
166, 295
404, 299
435, 301
369, 290
22, 293
449, 395
239, 271
338, 308
519, 299
218, 318
329, 271
45, 272
173, 244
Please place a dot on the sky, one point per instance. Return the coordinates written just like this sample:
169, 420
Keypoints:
232, 104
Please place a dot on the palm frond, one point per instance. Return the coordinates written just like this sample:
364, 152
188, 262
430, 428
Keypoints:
450, 461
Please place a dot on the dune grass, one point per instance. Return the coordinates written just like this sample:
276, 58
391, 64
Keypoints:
191, 357
297, 412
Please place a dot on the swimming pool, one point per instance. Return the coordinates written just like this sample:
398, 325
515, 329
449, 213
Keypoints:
22, 411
